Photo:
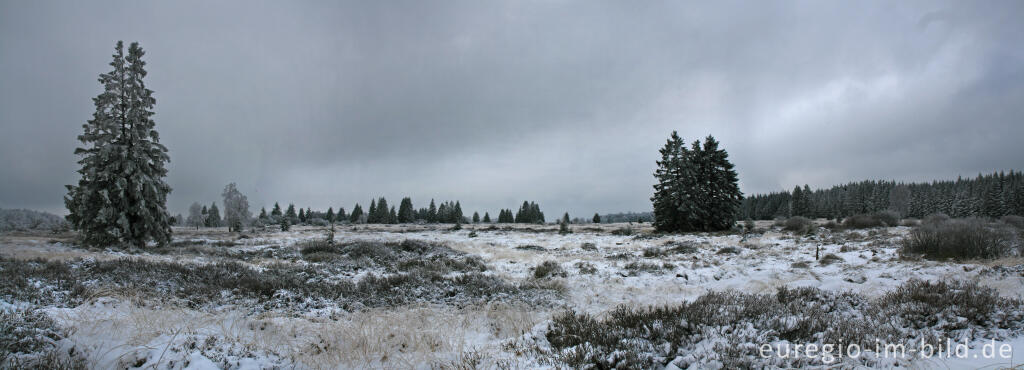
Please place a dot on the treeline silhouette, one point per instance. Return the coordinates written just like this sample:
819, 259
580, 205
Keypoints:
993, 195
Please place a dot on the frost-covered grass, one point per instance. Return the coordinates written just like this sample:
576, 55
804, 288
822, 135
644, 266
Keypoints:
30, 339
722, 329
485, 295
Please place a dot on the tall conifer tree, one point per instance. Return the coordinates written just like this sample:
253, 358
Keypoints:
121, 196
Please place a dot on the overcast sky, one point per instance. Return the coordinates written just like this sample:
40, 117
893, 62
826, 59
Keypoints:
564, 103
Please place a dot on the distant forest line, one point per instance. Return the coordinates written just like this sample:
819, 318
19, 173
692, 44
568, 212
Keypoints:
992, 195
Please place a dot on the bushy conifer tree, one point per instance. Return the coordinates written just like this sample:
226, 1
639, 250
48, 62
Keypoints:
121, 196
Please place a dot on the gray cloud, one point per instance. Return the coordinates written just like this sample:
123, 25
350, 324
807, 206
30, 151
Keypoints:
327, 104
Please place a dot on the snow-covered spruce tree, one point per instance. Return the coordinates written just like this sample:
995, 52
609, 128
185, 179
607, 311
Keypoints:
722, 199
405, 211
432, 212
672, 192
121, 197
291, 215
476, 217
236, 208
357, 214
487, 217
697, 188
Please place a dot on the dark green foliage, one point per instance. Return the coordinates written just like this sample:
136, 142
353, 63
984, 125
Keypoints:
357, 214
276, 211
994, 195
476, 218
487, 217
627, 217
121, 195
529, 213
697, 188
505, 216
596, 219
960, 239
405, 211
213, 216
291, 215
286, 224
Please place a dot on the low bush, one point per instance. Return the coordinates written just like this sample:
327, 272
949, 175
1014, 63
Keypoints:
887, 217
1013, 220
862, 221
910, 222
29, 340
635, 268
623, 231
653, 252
797, 224
619, 256
728, 250
531, 247
405, 272
829, 259
548, 269
588, 246
832, 225
960, 239
935, 218
650, 337
681, 247
586, 268
316, 246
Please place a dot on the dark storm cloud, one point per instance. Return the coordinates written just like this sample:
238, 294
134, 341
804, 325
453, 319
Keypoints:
566, 103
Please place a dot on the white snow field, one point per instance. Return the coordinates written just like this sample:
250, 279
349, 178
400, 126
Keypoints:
479, 304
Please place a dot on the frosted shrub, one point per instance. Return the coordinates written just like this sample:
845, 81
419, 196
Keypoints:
960, 239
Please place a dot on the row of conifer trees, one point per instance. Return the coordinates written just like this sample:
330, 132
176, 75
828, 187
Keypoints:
380, 212
992, 195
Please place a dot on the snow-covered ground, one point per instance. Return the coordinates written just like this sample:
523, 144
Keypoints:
603, 271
